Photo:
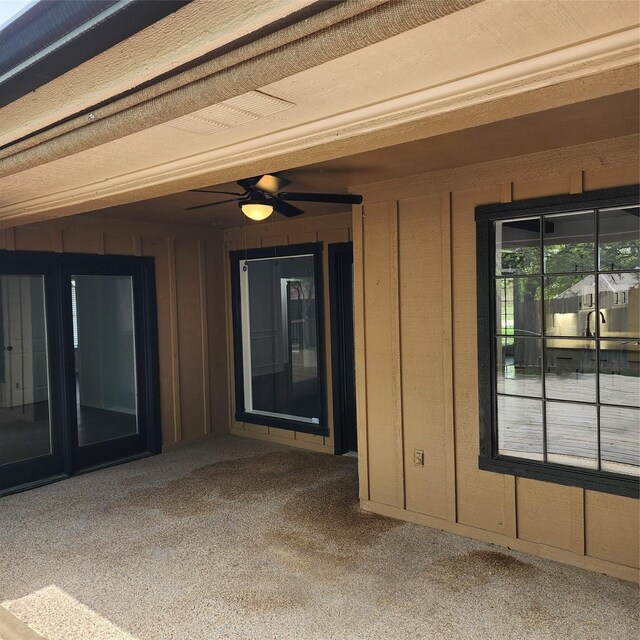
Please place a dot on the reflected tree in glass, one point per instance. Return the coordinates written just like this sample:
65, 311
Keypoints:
619, 239
518, 247
518, 306
569, 242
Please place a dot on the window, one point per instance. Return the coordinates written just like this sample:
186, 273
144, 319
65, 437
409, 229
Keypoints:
559, 348
278, 337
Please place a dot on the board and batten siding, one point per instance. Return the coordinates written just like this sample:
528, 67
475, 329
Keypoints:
327, 229
191, 317
416, 362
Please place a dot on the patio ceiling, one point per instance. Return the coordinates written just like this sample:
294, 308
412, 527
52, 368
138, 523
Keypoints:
489, 62
600, 119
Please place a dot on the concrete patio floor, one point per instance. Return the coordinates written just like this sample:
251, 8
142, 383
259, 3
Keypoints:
236, 538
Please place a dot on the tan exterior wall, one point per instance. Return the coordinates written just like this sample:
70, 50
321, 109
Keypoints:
326, 229
191, 318
416, 361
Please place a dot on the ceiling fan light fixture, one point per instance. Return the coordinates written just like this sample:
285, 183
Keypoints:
256, 210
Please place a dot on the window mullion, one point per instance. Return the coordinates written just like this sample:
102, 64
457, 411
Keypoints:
596, 293
543, 346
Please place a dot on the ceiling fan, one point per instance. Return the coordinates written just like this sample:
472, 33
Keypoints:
262, 196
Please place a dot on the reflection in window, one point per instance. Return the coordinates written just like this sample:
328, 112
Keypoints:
569, 303
567, 338
105, 357
518, 247
620, 372
519, 369
618, 295
505, 307
569, 244
25, 428
619, 438
570, 372
520, 431
572, 434
619, 238
518, 306
279, 301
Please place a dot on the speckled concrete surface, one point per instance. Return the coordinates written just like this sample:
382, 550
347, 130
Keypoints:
237, 538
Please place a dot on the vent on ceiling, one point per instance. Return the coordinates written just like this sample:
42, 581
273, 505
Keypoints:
231, 113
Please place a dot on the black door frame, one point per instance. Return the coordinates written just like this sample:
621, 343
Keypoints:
69, 458
342, 346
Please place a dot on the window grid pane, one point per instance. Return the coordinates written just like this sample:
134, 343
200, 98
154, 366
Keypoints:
518, 304
619, 238
589, 368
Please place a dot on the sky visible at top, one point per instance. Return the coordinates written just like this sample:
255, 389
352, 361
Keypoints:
9, 8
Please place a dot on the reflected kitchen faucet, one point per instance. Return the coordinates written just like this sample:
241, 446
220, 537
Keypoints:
587, 331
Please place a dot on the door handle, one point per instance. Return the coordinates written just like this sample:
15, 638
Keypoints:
9, 348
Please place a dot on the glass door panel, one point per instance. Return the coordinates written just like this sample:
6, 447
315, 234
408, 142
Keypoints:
25, 426
104, 358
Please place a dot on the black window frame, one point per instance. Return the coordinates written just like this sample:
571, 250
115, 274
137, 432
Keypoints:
284, 251
489, 459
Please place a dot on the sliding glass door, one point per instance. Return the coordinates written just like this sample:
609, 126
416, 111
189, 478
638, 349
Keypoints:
78, 368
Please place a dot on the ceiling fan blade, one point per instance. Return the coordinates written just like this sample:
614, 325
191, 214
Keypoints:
271, 183
267, 183
285, 208
229, 193
211, 204
335, 198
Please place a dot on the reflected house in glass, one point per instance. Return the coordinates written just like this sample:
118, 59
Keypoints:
572, 310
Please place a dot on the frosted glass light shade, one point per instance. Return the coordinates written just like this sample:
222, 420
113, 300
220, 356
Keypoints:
257, 210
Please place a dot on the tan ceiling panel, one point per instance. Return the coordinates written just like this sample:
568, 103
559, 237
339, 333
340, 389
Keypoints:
605, 118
